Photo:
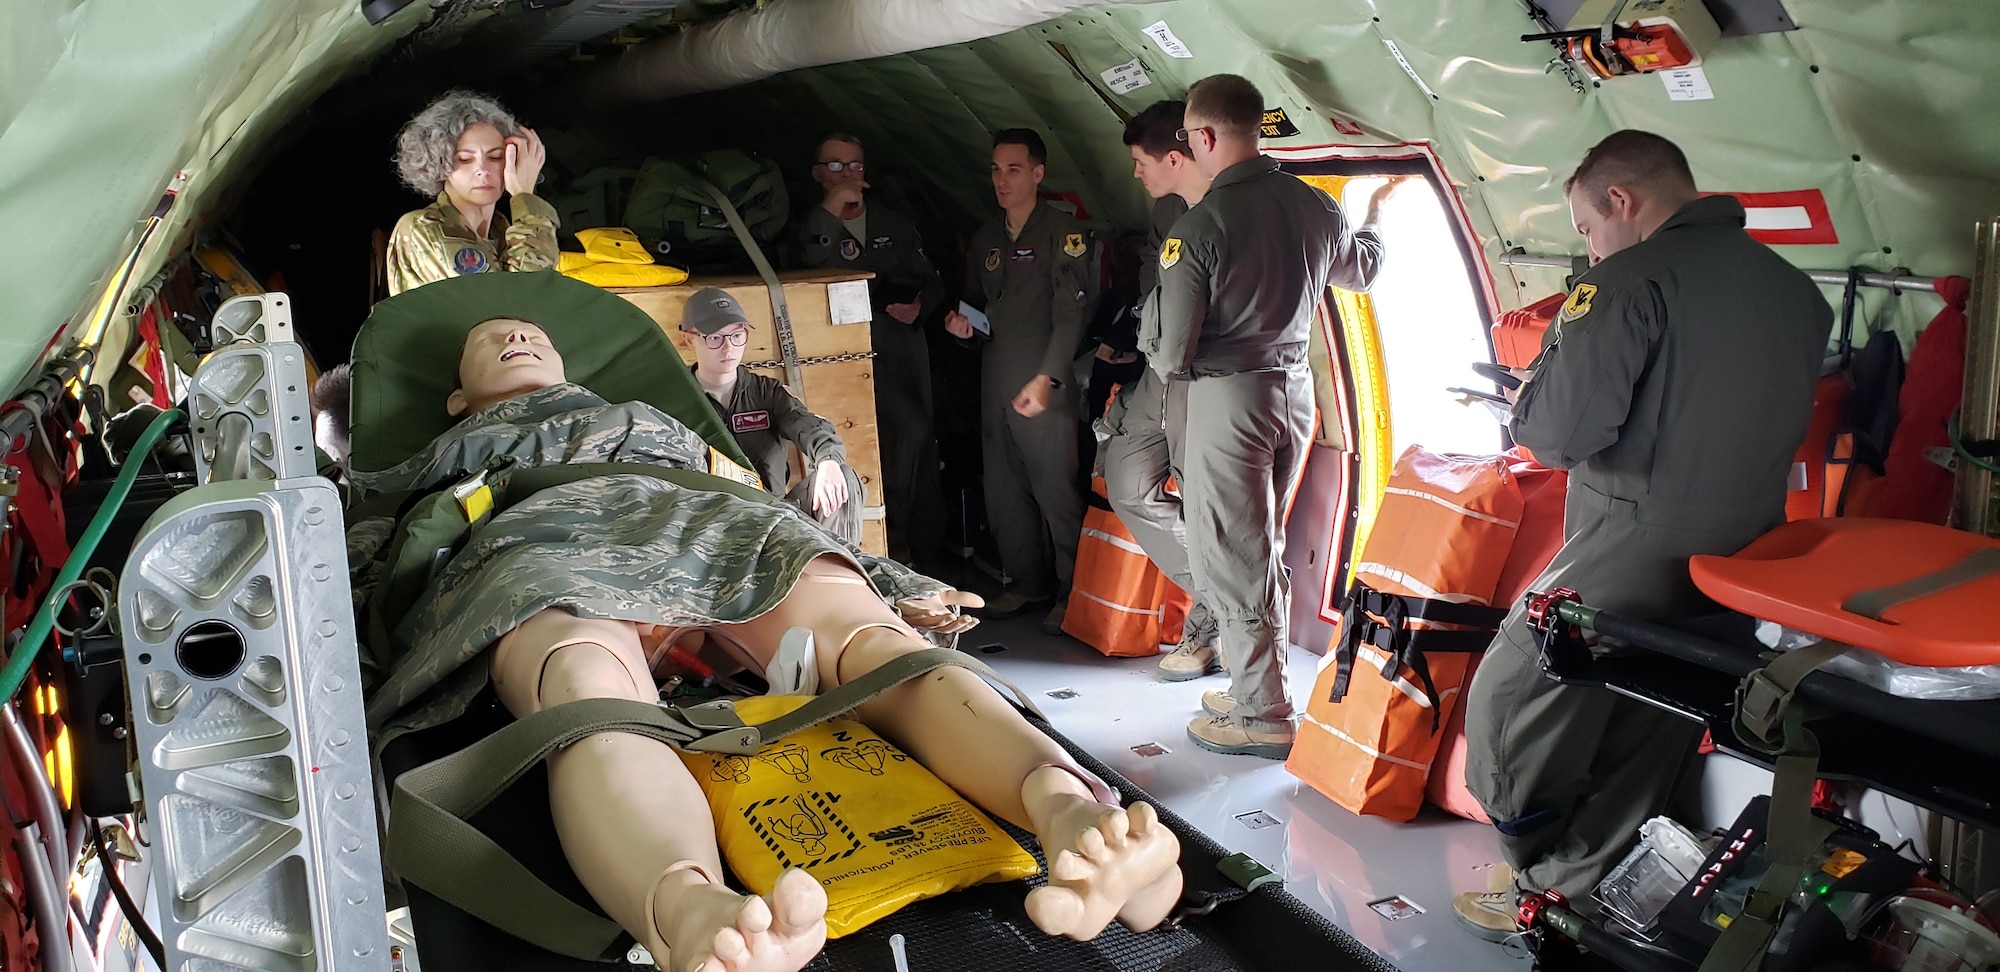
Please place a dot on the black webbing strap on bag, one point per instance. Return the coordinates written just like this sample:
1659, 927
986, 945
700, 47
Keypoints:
1383, 621
433, 845
1976, 565
781, 314
1768, 719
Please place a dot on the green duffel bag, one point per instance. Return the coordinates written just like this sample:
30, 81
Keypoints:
675, 215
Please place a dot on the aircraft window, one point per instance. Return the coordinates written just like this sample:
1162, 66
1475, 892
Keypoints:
1432, 328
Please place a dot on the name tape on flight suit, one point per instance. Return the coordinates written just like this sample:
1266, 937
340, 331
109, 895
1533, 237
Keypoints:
756, 421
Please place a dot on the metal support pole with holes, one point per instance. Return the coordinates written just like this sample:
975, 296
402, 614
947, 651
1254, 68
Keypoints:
1974, 494
1835, 278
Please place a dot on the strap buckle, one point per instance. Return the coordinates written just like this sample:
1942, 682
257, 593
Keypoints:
714, 727
1761, 702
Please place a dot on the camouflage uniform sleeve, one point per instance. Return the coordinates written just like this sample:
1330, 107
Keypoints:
531, 236
897, 582
367, 544
416, 254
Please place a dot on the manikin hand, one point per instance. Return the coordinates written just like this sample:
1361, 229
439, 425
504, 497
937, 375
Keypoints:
525, 156
829, 488
1034, 397
940, 612
906, 313
959, 325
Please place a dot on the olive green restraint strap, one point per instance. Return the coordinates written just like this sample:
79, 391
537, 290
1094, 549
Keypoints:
432, 844
1768, 718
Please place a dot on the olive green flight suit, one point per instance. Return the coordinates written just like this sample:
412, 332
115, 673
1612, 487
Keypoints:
762, 416
912, 497
1676, 391
433, 243
1037, 291
1241, 277
1147, 433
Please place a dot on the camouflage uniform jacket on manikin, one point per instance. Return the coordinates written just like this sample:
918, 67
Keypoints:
626, 547
1235, 294
1037, 291
763, 416
433, 243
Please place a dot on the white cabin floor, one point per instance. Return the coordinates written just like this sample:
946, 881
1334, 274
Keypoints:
1333, 860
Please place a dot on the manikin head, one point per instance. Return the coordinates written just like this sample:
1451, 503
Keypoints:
1020, 159
503, 358
714, 326
1625, 188
1161, 159
457, 145
1225, 117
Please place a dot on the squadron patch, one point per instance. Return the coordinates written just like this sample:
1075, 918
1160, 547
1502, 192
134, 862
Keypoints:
1170, 253
1579, 301
850, 249
992, 259
1073, 245
469, 260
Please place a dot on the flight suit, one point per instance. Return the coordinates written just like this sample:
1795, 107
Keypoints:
912, 497
1145, 449
1676, 391
433, 243
1037, 291
762, 416
1241, 277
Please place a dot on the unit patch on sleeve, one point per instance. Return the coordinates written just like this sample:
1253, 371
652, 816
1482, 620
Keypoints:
1579, 302
756, 421
1073, 245
1170, 253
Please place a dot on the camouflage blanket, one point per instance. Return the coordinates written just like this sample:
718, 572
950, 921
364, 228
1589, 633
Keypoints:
628, 547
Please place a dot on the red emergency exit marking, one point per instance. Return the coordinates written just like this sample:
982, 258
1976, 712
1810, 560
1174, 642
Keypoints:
1796, 217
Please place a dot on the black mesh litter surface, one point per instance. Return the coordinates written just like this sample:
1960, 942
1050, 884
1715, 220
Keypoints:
982, 929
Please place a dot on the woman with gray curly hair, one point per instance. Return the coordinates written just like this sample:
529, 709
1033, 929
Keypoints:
467, 151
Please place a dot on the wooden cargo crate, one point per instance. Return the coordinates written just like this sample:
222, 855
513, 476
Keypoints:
830, 318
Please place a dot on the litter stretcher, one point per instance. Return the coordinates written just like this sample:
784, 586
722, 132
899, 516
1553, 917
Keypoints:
1908, 595
243, 661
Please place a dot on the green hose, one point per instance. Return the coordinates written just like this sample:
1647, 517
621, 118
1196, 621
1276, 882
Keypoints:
16, 671
1958, 446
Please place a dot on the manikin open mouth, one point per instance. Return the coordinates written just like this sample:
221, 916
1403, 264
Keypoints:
511, 353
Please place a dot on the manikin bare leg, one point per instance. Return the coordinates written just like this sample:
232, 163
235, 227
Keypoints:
634, 824
1104, 862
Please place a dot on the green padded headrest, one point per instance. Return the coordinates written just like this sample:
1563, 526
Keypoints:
406, 358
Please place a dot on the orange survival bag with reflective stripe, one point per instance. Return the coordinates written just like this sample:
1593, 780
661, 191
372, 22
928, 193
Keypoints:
1120, 604
1424, 603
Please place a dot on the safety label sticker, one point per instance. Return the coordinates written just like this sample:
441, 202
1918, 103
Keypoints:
1127, 77
1687, 84
1163, 37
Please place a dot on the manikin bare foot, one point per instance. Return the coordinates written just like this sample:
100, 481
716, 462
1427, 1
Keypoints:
709, 928
1104, 862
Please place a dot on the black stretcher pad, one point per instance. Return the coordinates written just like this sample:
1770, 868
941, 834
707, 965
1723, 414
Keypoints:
982, 929
1940, 755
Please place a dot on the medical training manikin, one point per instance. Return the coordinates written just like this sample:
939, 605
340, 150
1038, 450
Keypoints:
580, 589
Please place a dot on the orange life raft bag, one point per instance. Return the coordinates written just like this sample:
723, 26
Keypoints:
1120, 604
1422, 607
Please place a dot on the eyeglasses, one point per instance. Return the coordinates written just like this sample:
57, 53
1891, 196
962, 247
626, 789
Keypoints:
838, 166
1184, 134
735, 339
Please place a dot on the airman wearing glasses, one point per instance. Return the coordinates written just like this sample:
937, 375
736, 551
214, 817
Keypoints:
763, 416
848, 231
